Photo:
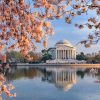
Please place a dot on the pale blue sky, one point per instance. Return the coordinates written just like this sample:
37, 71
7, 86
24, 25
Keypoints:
70, 33
74, 35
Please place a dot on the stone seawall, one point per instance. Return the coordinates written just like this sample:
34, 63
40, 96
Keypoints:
20, 65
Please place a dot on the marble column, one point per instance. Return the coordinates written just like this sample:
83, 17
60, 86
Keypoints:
56, 53
64, 54
59, 54
69, 54
72, 54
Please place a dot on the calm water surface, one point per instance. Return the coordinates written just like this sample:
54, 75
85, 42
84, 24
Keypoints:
55, 83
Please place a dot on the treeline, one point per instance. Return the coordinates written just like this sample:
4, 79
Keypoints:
89, 58
15, 56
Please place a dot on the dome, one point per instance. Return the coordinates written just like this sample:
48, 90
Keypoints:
64, 42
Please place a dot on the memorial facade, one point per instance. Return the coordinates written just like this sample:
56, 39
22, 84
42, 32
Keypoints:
65, 50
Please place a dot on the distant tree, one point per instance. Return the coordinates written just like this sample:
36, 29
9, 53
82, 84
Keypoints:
16, 56
97, 58
81, 56
90, 59
36, 57
44, 51
93, 59
46, 57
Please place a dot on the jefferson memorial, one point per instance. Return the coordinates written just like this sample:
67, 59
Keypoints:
63, 52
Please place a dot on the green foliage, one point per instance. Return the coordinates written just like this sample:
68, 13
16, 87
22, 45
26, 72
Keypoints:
81, 56
36, 57
97, 58
15, 56
46, 55
93, 59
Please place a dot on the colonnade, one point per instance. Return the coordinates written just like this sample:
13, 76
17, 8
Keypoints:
66, 54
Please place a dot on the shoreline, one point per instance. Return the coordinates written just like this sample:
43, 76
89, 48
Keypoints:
20, 65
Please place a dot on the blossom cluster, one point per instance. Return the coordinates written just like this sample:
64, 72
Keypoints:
93, 38
5, 88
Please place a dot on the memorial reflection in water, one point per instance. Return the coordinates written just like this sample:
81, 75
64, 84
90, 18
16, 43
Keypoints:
62, 78
49, 83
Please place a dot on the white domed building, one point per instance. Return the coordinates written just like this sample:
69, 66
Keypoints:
63, 52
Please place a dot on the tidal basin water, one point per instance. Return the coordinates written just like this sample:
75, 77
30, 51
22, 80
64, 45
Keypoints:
55, 83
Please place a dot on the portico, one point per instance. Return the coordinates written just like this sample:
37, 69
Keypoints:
64, 50
65, 54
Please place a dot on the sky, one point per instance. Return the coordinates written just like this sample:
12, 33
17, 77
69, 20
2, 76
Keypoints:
64, 31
